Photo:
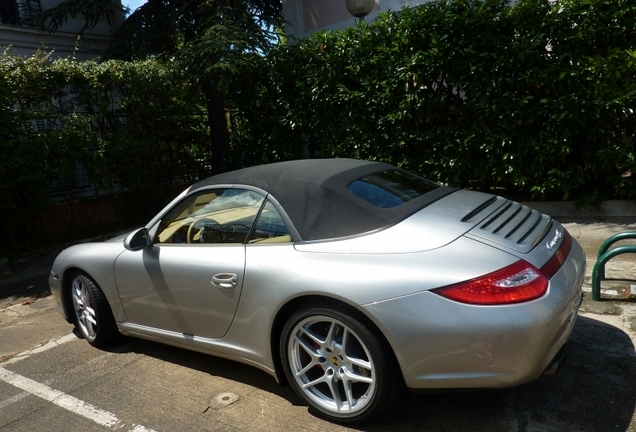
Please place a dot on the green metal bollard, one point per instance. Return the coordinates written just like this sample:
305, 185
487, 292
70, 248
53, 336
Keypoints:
604, 255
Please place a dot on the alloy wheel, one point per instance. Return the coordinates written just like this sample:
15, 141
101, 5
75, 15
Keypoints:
331, 365
84, 309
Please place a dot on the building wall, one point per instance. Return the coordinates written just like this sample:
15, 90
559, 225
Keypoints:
24, 37
307, 16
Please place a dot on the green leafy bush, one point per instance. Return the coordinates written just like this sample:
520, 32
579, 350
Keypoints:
130, 126
534, 100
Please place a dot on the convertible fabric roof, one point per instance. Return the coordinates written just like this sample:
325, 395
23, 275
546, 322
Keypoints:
313, 193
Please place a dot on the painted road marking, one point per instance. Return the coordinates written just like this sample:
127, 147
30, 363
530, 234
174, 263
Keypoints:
68, 402
56, 397
25, 355
60, 399
40, 348
17, 398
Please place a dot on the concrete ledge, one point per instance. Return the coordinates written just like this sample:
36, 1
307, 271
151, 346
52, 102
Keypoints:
612, 208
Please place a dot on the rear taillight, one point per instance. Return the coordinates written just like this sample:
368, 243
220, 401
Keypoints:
517, 283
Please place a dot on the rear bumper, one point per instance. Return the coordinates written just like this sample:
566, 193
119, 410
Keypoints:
444, 344
557, 361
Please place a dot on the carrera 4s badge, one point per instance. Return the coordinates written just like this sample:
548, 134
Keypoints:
557, 236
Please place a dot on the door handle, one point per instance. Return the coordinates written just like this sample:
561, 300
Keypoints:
224, 280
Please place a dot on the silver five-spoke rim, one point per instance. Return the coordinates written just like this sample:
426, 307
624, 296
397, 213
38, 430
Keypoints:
84, 311
331, 365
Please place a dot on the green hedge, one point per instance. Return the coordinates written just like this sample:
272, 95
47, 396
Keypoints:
534, 100
131, 127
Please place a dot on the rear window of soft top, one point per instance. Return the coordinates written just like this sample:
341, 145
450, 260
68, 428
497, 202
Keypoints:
390, 188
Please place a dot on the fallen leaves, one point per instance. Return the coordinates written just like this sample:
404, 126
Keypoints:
7, 274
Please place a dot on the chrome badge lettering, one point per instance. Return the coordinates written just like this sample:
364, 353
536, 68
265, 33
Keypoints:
557, 236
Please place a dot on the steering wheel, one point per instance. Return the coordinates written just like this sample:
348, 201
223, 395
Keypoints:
198, 227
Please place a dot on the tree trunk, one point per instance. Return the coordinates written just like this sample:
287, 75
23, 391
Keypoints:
219, 137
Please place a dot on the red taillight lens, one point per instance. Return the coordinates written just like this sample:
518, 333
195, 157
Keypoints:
554, 264
519, 282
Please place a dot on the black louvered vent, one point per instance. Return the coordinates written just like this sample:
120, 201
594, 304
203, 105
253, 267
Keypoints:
514, 225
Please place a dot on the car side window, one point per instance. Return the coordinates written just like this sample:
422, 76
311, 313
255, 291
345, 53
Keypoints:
270, 227
211, 216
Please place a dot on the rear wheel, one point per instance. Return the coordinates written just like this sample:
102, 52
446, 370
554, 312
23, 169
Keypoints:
93, 316
337, 364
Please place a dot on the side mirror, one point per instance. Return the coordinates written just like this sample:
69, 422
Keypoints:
137, 240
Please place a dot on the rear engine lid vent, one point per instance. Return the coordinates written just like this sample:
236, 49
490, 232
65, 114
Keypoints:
513, 225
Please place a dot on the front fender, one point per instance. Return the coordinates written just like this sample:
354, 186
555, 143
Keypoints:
95, 259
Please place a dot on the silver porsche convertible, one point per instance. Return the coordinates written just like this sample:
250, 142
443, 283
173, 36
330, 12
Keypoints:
346, 279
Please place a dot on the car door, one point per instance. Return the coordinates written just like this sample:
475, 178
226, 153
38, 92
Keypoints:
190, 279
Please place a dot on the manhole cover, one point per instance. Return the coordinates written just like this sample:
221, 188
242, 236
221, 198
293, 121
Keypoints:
223, 399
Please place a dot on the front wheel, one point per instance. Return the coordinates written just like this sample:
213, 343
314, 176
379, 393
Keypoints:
338, 365
93, 315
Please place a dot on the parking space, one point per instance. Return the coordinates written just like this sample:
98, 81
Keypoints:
139, 386
65, 384
142, 386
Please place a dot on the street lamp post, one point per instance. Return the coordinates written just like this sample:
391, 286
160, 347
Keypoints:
360, 8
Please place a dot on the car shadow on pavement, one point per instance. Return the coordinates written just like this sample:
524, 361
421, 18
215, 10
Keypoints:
209, 364
595, 390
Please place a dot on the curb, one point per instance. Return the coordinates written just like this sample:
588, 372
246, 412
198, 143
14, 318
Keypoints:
569, 209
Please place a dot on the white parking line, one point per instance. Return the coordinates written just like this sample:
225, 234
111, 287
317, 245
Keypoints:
60, 399
17, 398
40, 348
69, 403
56, 397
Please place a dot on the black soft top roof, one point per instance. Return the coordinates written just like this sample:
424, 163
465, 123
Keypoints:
313, 193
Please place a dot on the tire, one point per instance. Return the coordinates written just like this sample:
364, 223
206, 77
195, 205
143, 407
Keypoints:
93, 316
337, 365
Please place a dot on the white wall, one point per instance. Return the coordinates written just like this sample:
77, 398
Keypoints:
306, 16
25, 40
